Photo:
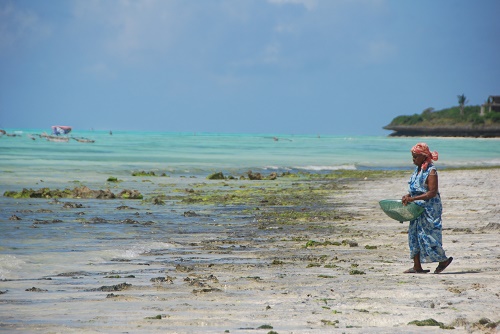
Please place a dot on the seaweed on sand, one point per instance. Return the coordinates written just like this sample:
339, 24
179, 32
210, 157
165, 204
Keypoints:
429, 322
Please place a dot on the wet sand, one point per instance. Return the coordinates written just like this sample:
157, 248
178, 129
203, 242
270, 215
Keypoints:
261, 280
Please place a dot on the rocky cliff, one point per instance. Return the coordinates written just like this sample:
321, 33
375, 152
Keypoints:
486, 131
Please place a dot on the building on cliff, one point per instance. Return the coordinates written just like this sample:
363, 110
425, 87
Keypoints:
492, 104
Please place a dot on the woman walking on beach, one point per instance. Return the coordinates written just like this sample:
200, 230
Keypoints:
425, 232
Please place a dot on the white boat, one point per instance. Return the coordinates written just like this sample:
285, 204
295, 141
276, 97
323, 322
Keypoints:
57, 139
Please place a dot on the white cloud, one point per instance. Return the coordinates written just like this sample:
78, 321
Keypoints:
131, 28
20, 26
308, 4
285, 28
271, 54
101, 70
220, 36
379, 51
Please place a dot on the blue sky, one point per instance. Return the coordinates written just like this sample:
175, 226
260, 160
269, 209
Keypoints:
254, 66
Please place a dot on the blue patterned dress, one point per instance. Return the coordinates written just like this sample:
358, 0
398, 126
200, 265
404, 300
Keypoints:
424, 233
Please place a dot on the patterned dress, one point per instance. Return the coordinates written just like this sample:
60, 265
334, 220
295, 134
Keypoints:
424, 233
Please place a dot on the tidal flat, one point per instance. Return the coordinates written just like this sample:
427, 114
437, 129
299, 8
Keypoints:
299, 253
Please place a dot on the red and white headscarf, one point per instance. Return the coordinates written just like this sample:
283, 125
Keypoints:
422, 148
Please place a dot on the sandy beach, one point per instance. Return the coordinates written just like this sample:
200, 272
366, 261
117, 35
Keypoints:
316, 277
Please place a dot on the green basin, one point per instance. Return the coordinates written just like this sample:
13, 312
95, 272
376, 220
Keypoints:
396, 210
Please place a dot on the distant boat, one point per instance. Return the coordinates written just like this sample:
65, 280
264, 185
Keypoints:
61, 129
57, 139
83, 140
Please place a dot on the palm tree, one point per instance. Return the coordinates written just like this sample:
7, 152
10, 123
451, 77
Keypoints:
462, 100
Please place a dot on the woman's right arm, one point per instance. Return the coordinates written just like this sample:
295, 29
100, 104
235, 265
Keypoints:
406, 199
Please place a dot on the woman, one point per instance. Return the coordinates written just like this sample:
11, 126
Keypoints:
424, 233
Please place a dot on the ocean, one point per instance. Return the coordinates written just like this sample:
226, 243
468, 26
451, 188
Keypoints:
202, 153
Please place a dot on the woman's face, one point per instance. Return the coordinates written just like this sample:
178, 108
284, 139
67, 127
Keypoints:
418, 159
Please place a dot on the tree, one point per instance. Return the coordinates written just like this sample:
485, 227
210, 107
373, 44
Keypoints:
462, 100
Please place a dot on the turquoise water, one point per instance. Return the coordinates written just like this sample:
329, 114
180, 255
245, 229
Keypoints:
201, 153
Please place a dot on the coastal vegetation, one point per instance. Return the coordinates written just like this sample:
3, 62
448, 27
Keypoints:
458, 121
454, 116
462, 100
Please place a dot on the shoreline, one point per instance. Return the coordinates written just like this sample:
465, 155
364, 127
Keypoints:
470, 131
311, 272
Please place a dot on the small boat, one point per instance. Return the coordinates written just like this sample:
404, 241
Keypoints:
57, 139
61, 129
83, 140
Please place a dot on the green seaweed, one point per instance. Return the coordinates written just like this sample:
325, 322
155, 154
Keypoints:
356, 272
265, 327
77, 192
113, 179
486, 323
430, 322
351, 243
326, 276
143, 173
275, 194
295, 217
312, 243
130, 194
216, 176
330, 322
40, 193
157, 317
